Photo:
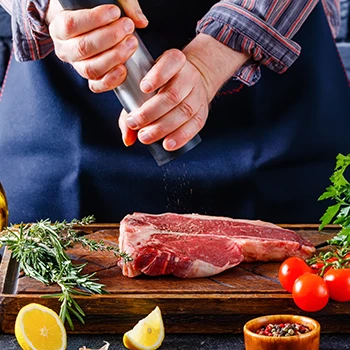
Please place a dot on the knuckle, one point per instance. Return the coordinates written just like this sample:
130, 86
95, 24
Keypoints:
183, 134
158, 131
176, 55
69, 24
172, 96
90, 72
83, 46
186, 110
96, 14
118, 56
157, 77
142, 118
199, 121
114, 35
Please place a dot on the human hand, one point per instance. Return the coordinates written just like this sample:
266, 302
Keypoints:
96, 42
186, 82
179, 109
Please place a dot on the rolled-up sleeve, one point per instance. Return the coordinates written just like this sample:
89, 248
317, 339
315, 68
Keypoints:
263, 29
31, 38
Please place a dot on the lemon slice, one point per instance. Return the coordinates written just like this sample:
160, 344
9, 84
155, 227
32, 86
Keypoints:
148, 333
39, 328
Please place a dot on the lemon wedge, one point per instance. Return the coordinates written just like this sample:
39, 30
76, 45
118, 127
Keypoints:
148, 333
38, 327
4, 212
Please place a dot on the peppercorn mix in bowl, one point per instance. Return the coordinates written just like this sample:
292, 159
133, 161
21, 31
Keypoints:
282, 332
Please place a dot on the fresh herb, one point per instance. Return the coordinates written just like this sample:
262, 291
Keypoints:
338, 213
40, 249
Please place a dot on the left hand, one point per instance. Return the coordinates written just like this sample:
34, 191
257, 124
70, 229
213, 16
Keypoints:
177, 112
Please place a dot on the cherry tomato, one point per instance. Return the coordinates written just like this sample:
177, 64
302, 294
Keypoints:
290, 270
310, 292
317, 267
338, 283
329, 260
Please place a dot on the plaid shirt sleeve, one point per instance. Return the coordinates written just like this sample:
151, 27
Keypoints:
31, 39
263, 29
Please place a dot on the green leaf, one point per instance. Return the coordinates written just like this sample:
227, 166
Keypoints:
329, 215
342, 239
331, 192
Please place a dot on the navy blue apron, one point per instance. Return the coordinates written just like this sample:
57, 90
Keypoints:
267, 151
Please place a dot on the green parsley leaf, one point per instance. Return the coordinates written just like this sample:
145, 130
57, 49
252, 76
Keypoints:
339, 213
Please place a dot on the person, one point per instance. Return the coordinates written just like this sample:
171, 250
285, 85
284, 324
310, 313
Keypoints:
269, 140
5, 43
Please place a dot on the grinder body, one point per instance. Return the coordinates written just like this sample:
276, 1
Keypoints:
129, 92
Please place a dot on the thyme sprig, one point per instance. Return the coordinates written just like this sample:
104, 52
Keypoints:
40, 250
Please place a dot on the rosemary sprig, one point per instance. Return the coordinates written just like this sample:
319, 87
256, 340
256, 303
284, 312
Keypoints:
40, 250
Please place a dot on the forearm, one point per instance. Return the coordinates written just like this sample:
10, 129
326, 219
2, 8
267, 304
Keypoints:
262, 29
216, 61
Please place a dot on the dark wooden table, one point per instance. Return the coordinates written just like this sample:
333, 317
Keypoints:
204, 313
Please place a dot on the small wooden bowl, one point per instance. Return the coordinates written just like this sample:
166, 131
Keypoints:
309, 340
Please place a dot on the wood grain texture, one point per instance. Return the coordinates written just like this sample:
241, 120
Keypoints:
217, 304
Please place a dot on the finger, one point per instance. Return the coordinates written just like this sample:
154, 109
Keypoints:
69, 24
95, 67
133, 10
129, 136
165, 100
109, 81
172, 120
187, 131
96, 41
170, 63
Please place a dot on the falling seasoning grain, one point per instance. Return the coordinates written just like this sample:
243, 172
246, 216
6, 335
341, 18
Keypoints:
178, 189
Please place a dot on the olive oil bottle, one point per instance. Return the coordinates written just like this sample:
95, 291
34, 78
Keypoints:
4, 212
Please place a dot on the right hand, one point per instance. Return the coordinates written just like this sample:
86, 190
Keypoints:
96, 42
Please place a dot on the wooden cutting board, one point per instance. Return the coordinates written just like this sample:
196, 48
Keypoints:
218, 304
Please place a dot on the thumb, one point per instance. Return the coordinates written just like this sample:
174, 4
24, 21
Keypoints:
133, 10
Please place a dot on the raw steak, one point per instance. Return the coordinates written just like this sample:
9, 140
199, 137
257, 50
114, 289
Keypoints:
193, 245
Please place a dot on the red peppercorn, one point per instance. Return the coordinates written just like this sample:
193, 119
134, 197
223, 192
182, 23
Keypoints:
283, 329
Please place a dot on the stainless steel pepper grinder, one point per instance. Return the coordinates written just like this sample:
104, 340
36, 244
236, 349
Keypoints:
129, 93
